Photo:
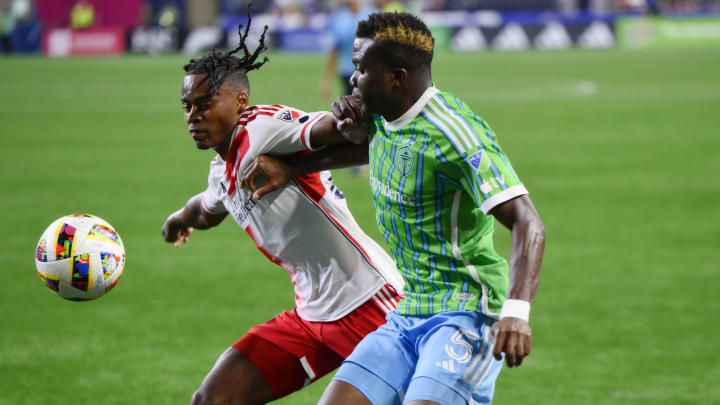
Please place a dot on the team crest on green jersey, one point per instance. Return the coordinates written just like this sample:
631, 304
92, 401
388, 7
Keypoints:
480, 161
405, 160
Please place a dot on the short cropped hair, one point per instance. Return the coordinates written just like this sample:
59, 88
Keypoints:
401, 39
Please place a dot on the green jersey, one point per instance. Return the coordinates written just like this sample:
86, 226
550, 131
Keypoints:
435, 172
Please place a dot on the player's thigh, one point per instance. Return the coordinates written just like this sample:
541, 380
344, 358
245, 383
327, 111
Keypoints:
455, 362
287, 362
234, 379
380, 367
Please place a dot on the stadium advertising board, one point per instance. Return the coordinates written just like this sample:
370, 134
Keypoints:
457, 30
57, 13
154, 40
643, 32
551, 35
94, 41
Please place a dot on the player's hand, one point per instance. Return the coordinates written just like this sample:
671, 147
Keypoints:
352, 119
513, 337
175, 231
275, 171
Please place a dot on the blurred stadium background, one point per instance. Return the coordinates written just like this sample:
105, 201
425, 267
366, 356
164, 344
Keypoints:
609, 110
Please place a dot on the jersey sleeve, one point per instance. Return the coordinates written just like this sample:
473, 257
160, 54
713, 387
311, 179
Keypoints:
212, 198
284, 131
484, 169
493, 179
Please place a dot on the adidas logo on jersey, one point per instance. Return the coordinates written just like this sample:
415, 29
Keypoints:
447, 365
288, 115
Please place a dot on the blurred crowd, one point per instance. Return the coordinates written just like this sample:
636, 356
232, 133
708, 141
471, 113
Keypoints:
314, 6
170, 12
24, 23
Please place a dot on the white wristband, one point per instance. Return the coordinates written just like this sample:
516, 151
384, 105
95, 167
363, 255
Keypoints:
516, 309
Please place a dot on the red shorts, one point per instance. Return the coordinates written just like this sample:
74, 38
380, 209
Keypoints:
291, 352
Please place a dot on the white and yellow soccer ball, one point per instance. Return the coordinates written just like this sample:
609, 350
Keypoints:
80, 257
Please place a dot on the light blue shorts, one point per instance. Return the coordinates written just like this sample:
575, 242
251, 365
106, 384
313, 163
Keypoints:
446, 358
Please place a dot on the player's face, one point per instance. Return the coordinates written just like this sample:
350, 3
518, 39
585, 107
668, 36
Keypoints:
210, 117
372, 80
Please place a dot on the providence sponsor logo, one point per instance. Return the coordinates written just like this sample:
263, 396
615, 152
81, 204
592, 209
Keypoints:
392, 194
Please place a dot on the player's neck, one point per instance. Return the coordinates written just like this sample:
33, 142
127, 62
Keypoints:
406, 100
224, 148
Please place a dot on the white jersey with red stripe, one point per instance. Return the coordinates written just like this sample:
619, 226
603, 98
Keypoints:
306, 226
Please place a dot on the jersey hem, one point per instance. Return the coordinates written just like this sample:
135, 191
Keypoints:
347, 310
437, 309
501, 197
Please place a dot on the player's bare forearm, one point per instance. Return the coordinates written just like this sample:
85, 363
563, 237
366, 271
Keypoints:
280, 170
527, 248
349, 122
192, 215
512, 333
332, 157
344, 136
180, 224
334, 129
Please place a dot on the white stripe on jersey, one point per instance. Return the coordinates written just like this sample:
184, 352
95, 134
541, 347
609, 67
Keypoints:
308, 370
430, 115
381, 305
385, 299
389, 296
469, 132
455, 133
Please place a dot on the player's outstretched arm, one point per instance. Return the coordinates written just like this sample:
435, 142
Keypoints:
280, 170
349, 122
343, 135
512, 333
180, 224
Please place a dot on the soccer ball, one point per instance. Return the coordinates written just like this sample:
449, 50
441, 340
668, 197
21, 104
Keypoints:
80, 257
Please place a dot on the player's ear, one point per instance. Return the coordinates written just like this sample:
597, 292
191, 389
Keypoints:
399, 75
242, 99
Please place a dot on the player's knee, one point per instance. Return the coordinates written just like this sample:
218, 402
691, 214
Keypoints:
196, 398
204, 397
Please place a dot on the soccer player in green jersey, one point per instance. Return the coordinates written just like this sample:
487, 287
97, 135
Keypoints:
439, 179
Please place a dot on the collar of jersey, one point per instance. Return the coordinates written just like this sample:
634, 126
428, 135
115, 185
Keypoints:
413, 111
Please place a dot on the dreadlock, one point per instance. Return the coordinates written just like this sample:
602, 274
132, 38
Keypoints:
221, 65
401, 39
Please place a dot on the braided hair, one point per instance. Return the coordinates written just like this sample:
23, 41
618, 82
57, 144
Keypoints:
221, 65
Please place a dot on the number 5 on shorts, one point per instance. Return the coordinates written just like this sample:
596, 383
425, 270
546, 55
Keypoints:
462, 337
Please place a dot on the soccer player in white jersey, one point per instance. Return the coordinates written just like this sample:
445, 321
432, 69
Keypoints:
345, 284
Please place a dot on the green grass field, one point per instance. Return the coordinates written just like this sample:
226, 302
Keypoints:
619, 150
